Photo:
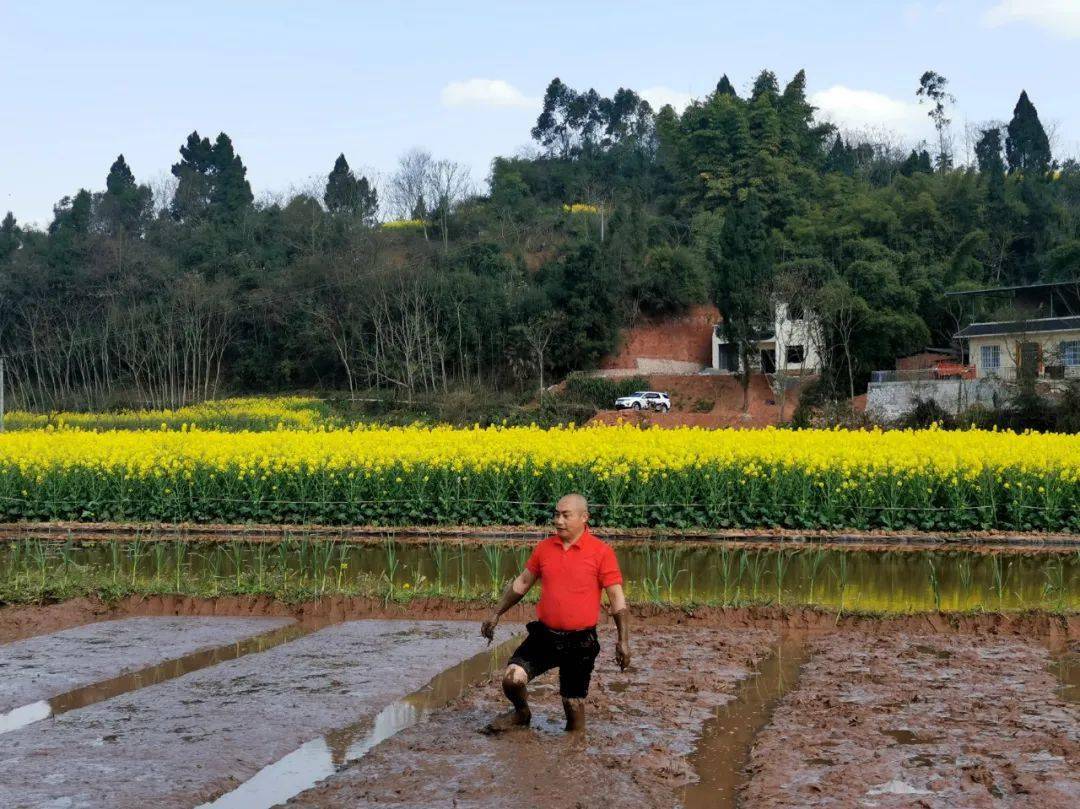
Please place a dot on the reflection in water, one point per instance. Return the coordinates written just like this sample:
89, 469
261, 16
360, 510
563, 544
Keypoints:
320, 758
845, 579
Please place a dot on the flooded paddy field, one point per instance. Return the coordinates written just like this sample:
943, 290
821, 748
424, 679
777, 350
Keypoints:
874, 579
323, 674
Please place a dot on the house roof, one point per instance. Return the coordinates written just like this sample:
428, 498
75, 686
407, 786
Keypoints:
1043, 324
994, 290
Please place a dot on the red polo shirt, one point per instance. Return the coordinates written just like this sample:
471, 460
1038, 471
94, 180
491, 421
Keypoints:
571, 580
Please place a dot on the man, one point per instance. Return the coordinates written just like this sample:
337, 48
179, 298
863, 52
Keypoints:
573, 567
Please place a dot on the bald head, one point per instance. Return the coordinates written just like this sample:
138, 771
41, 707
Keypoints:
573, 501
571, 516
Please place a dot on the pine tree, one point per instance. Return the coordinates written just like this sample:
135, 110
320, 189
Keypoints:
231, 191
1027, 148
9, 236
125, 205
988, 155
212, 180
724, 87
841, 158
347, 194
741, 259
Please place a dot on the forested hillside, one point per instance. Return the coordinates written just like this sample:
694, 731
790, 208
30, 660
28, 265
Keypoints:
431, 282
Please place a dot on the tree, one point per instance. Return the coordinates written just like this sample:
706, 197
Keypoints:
410, 183
724, 87
1027, 148
211, 180
448, 184
841, 312
741, 258
538, 333
988, 154
9, 236
348, 194
125, 206
932, 89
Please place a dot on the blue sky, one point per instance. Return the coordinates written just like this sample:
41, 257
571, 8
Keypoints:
296, 83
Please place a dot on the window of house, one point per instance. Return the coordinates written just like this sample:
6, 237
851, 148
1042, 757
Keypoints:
794, 312
990, 357
795, 355
1070, 352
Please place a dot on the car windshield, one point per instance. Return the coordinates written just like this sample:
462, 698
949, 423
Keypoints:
638, 393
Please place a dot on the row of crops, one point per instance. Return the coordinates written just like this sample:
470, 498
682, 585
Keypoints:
681, 478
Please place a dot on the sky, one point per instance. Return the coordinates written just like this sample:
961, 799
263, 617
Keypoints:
296, 83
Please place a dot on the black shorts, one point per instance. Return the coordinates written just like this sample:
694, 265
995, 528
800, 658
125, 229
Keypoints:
574, 653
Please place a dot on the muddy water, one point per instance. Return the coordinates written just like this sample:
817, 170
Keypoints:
196, 737
906, 580
140, 650
320, 758
724, 747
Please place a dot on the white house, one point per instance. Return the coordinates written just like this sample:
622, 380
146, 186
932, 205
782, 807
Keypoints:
790, 346
1041, 338
1043, 347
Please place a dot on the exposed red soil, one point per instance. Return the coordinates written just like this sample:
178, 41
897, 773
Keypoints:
641, 725
18, 622
720, 393
687, 338
893, 720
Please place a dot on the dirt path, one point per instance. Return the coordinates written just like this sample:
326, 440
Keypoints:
190, 739
643, 723
45, 666
899, 720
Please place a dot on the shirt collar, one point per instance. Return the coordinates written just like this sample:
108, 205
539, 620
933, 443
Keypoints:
585, 537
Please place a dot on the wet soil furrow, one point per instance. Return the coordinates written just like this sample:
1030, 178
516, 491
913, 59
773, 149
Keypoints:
194, 738
902, 720
47, 666
642, 725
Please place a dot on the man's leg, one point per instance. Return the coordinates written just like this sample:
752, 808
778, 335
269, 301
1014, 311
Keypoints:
575, 672
514, 683
575, 713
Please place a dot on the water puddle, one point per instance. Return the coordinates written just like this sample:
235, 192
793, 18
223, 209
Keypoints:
903, 736
724, 747
152, 675
320, 758
1065, 664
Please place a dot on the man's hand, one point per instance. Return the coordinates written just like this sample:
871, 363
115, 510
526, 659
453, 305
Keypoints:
622, 654
487, 629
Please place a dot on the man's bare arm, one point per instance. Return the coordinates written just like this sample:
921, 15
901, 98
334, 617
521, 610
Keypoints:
621, 614
513, 593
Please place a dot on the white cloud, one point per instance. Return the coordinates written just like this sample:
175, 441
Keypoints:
859, 109
485, 93
1058, 17
659, 96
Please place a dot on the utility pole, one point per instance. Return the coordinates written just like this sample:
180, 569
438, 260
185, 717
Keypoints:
1, 394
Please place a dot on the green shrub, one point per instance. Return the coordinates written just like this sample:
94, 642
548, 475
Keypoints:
601, 392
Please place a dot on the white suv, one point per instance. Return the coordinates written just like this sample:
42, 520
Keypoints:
644, 400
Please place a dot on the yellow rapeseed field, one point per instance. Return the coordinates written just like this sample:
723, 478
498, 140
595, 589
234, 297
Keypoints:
422, 475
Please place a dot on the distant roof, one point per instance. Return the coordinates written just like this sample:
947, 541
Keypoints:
1043, 324
1075, 284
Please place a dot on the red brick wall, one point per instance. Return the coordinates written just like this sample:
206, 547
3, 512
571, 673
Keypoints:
687, 338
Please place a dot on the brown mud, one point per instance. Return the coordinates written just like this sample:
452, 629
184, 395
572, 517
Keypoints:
44, 667
895, 720
642, 725
273, 532
17, 622
191, 739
